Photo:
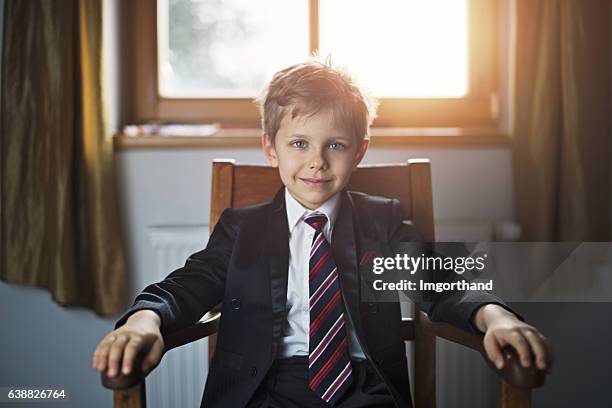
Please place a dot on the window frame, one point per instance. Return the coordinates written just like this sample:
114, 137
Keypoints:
478, 109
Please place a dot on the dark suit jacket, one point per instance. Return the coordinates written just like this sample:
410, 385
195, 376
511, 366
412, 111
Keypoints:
245, 266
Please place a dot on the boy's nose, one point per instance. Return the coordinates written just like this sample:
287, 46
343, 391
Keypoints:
317, 161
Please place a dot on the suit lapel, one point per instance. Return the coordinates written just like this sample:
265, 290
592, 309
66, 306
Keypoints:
344, 249
277, 252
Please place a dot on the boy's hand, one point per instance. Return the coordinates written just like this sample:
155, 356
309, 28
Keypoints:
118, 349
502, 328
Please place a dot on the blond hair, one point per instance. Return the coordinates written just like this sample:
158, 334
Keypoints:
312, 87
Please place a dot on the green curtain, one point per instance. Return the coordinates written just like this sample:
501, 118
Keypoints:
60, 219
562, 119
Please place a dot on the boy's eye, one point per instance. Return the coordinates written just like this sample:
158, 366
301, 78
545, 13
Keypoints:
337, 146
300, 144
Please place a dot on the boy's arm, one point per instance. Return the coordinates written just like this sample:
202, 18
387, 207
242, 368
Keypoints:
459, 307
189, 292
478, 312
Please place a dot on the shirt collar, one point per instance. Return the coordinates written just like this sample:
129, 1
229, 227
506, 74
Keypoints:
295, 210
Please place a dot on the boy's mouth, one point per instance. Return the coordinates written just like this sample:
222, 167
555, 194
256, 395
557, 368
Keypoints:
314, 181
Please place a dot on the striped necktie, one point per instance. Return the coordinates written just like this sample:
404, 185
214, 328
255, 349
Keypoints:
330, 373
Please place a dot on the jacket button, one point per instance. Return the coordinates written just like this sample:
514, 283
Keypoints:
373, 308
253, 371
236, 304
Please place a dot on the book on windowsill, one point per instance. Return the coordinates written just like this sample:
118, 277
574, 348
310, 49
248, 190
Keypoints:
169, 130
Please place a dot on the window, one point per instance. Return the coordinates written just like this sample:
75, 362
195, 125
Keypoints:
432, 64
227, 48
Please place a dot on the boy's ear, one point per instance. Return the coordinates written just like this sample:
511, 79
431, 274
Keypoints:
361, 151
269, 150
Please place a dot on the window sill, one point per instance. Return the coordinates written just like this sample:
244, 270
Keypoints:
381, 137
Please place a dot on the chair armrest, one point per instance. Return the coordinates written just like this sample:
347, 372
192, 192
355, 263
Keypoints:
204, 328
512, 372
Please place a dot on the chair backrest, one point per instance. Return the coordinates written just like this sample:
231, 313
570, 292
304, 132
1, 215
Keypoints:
240, 185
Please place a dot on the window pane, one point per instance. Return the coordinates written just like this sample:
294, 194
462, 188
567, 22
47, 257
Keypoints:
227, 48
408, 48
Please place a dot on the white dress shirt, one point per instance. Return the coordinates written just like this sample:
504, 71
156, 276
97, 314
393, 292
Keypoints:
295, 330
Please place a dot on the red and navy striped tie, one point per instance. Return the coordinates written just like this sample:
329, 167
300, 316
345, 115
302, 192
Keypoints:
328, 359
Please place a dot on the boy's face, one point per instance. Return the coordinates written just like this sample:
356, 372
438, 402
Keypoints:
314, 158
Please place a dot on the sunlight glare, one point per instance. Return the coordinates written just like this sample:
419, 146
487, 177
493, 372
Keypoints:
399, 48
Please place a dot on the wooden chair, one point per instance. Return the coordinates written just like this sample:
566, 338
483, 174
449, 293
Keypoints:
239, 185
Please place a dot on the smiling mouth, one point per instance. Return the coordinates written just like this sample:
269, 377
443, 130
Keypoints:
314, 181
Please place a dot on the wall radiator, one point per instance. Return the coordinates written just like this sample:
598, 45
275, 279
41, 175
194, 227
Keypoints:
463, 380
179, 379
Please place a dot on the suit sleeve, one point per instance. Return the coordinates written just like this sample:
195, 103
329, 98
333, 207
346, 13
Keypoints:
457, 307
185, 295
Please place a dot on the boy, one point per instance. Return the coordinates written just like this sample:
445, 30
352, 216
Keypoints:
293, 331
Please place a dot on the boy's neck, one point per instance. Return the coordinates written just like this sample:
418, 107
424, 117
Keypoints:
295, 210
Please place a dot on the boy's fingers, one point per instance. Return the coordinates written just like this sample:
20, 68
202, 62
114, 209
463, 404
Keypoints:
101, 352
130, 352
537, 347
116, 354
494, 351
549, 352
520, 344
